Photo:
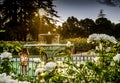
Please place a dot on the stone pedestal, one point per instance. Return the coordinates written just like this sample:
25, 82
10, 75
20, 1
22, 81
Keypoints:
48, 38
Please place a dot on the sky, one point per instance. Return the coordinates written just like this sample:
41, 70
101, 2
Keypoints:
82, 9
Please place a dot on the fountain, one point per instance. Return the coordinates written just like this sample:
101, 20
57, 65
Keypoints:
48, 38
50, 47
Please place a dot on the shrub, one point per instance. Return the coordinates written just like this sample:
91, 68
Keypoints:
10, 46
80, 43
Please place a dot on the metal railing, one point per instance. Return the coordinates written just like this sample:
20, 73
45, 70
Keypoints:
32, 63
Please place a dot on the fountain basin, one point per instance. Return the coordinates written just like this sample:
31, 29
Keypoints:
49, 51
44, 45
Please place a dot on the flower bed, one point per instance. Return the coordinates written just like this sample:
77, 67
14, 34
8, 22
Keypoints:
104, 68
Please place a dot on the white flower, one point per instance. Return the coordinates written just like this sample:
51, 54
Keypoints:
68, 43
7, 79
112, 64
96, 59
12, 74
10, 57
108, 49
23, 82
50, 66
92, 53
38, 71
117, 57
112, 39
36, 60
3, 74
101, 37
100, 46
97, 48
92, 37
6, 55
2, 78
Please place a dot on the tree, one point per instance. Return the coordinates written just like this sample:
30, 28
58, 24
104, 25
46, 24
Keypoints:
19, 15
117, 31
73, 28
103, 25
88, 26
47, 24
70, 28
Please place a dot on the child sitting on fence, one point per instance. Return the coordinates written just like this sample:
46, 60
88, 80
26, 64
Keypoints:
24, 55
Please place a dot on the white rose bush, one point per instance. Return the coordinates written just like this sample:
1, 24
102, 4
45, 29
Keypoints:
106, 54
104, 44
117, 57
99, 70
7, 71
45, 73
6, 63
98, 38
6, 55
8, 79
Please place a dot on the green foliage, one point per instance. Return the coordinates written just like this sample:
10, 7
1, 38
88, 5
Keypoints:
23, 16
58, 79
31, 79
33, 50
102, 70
13, 47
103, 25
73, 28
6, 66
70, 28
81, 43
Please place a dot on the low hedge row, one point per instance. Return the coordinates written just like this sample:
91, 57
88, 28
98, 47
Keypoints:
11, 46
80, 44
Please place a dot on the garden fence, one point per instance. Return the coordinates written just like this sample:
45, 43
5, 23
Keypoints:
32, 62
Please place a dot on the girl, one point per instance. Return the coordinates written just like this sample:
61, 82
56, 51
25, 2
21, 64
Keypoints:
24, 60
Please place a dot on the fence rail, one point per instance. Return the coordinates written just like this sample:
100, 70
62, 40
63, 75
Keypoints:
32, 62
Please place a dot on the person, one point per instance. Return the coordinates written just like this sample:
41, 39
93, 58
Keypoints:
24, 56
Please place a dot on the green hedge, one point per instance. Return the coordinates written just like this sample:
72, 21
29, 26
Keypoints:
11, 46
80, 43
16, 46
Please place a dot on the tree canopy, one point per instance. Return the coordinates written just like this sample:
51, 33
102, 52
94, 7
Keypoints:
73, 27
18, 17
21, 20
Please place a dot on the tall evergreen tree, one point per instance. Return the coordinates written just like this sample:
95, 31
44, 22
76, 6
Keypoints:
17, 16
